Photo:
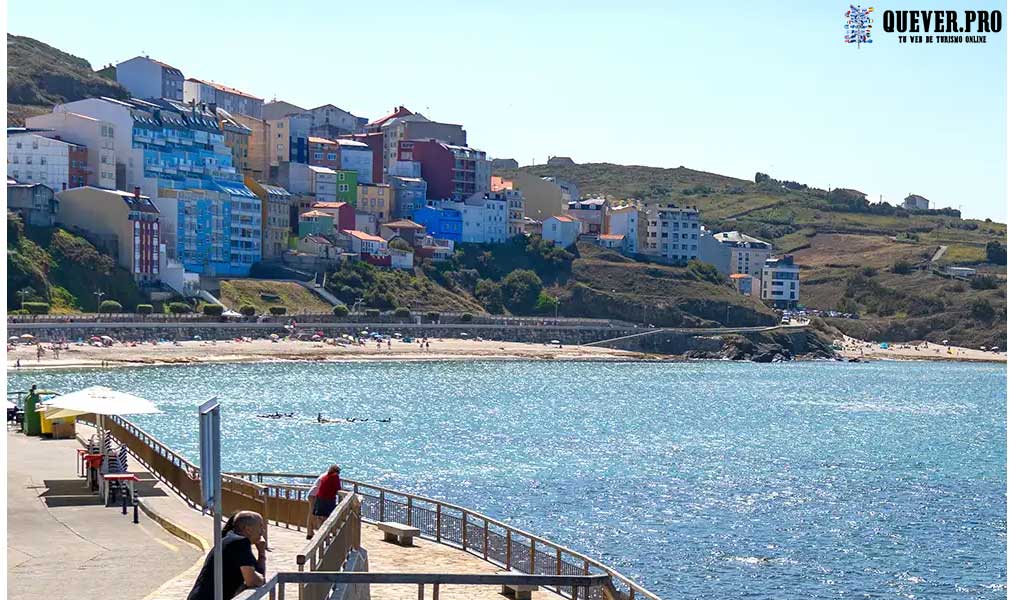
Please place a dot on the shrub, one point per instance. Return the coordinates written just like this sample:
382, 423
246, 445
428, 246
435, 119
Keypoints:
983, 282
213, 310
432, 316
144, 309
868, 271
35, 308
340, 310
996, 253
372, 312
278, 310
466, 317
488, 292
520, 289
178, 308
902, 267
982, 310
546, 304
402, 313
19, 312
248, 310
110, 306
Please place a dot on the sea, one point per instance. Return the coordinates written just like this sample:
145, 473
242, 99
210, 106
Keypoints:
702, 479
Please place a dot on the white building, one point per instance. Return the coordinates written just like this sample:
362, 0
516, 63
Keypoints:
484, 217
366, 221
33, 158
780, 282
515, 212
624, 221
734, 252
97, 135
672, 232
361, 242
324, 183
561, 230
146, 78
358, 157
401, 259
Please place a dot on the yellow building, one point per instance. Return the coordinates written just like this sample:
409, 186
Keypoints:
375, 198
256, 165
237, 139
275, 217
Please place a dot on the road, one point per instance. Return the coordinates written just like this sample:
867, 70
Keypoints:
940, 252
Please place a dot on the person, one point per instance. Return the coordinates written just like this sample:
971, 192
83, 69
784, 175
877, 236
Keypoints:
327, 495
311, 498
240, 569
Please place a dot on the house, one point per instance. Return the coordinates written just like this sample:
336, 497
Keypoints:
329, 121
562, 230
300, 178
594, 212
451, 171
442, 223
515, 205
36, 203
35, 158
957, 271
276, 202
745, 284
148, 79
780, 282
237, 139
672, 232
366, 221
125, 224
403, 124
410, 231
356, 156
734, 252
316, 222
343, 213
401, 259
435, 249
318, 246
375, 143
375, 198
221, 96
348, 186
408, 194
365, 244
613, 241
915, 202
96, 135
626, 221
323, 152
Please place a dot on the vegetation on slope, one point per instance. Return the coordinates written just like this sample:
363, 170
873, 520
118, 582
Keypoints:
263, 294
57, 267
39, 76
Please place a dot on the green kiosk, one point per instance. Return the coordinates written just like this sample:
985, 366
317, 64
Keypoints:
33, 419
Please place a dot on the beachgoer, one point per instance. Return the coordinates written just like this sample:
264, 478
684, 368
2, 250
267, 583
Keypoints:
240, 569
17, 364
327, 495
311, 498
427, 346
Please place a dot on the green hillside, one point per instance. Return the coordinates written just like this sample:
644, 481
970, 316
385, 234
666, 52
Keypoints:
62, 269
39, 76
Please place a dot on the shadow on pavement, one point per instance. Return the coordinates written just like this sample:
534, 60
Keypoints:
67, 492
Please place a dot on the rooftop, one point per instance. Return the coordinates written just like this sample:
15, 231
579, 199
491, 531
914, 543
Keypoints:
329, 204
611, 236
352, 143
403, 224
320, 140
225, 88
314, 213
362, 235
325, 170
399, 111
317, 239
565, 219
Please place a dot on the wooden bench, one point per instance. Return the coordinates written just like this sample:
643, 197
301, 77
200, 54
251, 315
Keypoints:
518, 591
396, 532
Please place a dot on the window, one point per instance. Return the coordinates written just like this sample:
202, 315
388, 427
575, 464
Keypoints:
28, 160
15, 159
341, 176
332, 156
17, 145
42, 160
318, 156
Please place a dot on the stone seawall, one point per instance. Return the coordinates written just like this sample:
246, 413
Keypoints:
760, 344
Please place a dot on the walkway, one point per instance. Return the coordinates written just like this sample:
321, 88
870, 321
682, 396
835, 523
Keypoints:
56, 529
939, 253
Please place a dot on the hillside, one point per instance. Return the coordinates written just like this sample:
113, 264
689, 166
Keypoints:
833, 236
63, 269
39, 76
263, 294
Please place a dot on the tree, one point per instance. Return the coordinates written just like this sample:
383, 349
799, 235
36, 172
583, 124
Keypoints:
902, 267
399, 244
432, 316
213, 310
996, 253
278, 310
546, 304
759, 177
144, 309
248, 310
340, 310
520, 290
110, 306
402, 313
984, 282
982, 310
703, 271
466, 317
488, 292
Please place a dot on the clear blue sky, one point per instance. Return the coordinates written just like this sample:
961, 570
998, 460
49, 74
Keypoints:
731, 89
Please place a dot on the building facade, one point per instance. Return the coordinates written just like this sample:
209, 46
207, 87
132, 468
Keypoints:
780, 282
672, 233
329, 121
34, 158
561, 230
229, 99
375, 198
323, 152
594, 212
148, 79
375, 142
441, 223
746, 254
98, 136
626, 221
275, 217
237, 139
451, 172
343, 213
409, 195
356, 156
316, 222
347, 186
36, 203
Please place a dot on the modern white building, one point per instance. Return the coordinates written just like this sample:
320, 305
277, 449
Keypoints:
624, 221
780, 282
34, 158
734, 252
672, 232
358, 157
145, 78
97, 135
561, 230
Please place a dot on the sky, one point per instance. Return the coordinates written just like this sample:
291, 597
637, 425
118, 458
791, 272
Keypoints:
731, 88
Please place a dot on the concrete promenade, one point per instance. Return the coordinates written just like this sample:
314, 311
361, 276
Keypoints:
56, 527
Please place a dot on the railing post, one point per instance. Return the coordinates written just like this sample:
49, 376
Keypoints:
485, 539
408, 518
531, 559
381, 505
507, 557
436, 591
422, 591
438, 520
464, 530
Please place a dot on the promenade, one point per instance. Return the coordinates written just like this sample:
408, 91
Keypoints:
58, 529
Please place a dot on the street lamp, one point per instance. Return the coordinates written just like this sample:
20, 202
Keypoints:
98, 301
23, 293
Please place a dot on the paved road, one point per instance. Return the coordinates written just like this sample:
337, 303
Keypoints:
62, 544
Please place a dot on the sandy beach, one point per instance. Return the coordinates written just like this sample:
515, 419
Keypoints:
258, 350
854, 348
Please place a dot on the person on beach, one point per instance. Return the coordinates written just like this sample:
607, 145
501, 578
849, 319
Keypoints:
326, 498
240, 569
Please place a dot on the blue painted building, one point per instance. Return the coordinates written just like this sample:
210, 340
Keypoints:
441, 223
408, 195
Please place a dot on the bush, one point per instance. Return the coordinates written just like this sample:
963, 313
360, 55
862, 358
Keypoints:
488, 292
520, 290
110, 306
996, 253
178, 308
902, 267
248, 310
706, 272
466, 317
19, 312
546, 304
373, 312
340, 310
402, 313
144, 309
868, 271
213, 310
278, 310
982, 310
984, 282
36, 308
432, 316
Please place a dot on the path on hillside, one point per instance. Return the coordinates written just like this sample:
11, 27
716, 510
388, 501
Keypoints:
940, 252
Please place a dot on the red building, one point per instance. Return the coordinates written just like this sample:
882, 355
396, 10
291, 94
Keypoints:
451, 172
323, 152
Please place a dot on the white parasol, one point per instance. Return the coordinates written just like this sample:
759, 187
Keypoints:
98, 400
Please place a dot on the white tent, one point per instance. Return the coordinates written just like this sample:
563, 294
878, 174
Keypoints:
98, 400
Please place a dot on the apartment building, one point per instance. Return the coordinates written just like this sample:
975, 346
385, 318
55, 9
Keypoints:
234, 101
323, 152
356, 156
672, 232
329, 121
593, 211
626, 221
745, 254
275, 217
375, 198
780, 282
35, 158
98, 136
149, 79
237, 139
451, 172
408, 195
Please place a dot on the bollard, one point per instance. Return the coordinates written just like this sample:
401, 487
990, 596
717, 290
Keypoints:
124, 504
135, 509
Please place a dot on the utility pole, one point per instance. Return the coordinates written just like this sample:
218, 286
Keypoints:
98, 301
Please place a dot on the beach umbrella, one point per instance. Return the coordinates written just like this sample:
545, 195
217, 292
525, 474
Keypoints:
464, 334
27, 336
13, 338
99, 400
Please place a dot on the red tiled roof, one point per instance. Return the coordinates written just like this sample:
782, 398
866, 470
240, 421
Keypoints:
611, 236
328, 204
363, 236
401, 111
565, 219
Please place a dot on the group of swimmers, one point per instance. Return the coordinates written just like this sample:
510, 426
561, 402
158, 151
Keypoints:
278, 416
322, 420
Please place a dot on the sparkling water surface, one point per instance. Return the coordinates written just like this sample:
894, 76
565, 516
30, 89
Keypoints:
699, 480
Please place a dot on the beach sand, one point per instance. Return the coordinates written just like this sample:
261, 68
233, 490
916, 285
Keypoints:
258, 350
854, 348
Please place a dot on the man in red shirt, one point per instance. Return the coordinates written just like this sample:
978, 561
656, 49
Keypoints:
327, 494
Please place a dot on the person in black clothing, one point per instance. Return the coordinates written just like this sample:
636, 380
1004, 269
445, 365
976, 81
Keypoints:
240, 570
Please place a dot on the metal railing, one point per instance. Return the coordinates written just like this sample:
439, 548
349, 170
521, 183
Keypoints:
494, 541
274, 588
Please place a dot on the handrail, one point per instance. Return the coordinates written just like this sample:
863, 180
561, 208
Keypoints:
329, 529
439, 533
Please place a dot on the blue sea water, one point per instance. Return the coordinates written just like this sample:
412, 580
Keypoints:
699, 480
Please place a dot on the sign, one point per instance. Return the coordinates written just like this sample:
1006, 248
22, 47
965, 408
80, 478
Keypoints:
211, 453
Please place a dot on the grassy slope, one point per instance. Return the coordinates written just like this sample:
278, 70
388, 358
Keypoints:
235, 293
39, 76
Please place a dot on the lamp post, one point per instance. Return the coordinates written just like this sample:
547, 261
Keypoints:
98, 301
24, 293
